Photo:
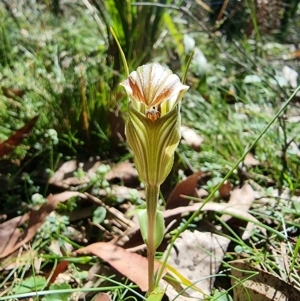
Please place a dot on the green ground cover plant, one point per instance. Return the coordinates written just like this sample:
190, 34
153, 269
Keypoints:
59, 61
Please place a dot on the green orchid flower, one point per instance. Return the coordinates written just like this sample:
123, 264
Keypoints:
153, 125
153, 133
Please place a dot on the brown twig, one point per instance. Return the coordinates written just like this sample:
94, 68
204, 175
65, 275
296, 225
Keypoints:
220, 15
127, 223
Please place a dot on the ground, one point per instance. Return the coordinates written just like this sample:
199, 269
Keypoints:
70, 191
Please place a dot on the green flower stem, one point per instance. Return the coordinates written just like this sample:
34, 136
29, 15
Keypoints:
152, 193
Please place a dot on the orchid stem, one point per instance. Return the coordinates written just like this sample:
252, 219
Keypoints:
152, 192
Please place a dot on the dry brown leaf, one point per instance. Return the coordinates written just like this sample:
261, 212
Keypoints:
191, 138
197, 257
66, 168
60, 268
7, 146
250, 161
16, 260
222, 208
10, 233
202, 193
102, 297
261, 287
125, 172
55, 246
237, 215
12, 92
131, 265
12, 238
64, 176
185, 187
241, 198
225, 190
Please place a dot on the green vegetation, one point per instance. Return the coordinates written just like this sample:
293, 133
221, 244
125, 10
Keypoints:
59, 61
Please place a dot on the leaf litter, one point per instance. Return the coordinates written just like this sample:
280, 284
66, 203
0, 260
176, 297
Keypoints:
122, 172
197, 256
131, 265
191, 138
200, 253
102, 297
16, 139
186, 187
261, 286
12, 238
64, 176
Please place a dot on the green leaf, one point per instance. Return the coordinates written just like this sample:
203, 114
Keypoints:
221, 296
58, 296
99, 215
156, 295
31, 284
174, 272
175, 33
159, 226
143, 220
